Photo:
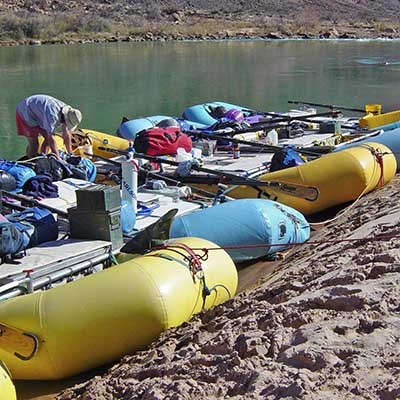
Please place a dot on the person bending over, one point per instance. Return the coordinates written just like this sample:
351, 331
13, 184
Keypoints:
41, 114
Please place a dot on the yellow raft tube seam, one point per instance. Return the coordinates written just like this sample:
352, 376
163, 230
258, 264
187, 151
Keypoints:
104, 316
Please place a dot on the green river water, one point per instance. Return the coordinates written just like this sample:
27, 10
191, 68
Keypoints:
109, 81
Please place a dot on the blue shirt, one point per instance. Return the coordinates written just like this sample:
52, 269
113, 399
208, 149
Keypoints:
41, 110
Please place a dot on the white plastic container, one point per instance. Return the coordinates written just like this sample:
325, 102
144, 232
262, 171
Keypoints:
130, 183
85, 150
196, 153
272, 137
181, 155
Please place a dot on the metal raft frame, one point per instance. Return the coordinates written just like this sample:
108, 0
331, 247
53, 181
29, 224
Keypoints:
27, 278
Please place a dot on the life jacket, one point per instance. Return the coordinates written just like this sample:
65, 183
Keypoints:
159, 141
21, 173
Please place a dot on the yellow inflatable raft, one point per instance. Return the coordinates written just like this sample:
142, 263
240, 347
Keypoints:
337, 177
95, 139
102, 317
7, 389
100, 139
372, 121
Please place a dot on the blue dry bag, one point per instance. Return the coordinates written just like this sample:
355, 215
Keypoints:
287, 157
21, 173
11, 242
37, 225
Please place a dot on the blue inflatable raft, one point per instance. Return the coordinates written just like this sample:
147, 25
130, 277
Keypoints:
202, 113
129, 129
267, 223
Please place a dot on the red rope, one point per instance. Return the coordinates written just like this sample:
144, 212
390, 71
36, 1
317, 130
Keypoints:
195, 259
379, 160
312, 242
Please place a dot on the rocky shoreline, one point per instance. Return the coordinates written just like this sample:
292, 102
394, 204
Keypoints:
83, 21
328, 33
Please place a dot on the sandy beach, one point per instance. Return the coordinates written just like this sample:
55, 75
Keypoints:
326, 324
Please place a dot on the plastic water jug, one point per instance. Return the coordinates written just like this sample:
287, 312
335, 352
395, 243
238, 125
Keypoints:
272, 137
182, 155
128, 217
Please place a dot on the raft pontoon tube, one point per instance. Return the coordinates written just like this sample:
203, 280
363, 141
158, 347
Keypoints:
390, 139
7, 389
265, 226
372, 121
337, 177
201, 113
96, 139
102, 317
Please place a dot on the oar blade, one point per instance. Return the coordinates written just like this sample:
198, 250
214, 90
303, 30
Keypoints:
309, 193
22, 344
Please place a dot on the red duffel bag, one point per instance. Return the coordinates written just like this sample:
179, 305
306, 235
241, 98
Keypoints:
161, 141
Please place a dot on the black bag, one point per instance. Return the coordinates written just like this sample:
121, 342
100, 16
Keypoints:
11, 241
48, 165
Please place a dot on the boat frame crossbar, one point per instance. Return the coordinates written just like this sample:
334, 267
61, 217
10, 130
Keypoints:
28, 283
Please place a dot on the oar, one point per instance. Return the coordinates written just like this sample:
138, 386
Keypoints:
32, 203
331, 106
270, 148
309, 193
263, 125
23, 345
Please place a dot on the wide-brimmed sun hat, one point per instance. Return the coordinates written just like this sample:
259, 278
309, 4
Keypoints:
72, 117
